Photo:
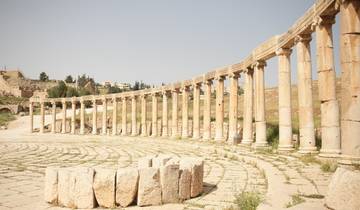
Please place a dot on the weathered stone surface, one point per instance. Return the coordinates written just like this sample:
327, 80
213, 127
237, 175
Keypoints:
197, 173
51, 185
160, 160
344, 189
173, 161
169, 179
66, 182
184, 181
149, 192
104, 187
145, 162
84, 193
126, 186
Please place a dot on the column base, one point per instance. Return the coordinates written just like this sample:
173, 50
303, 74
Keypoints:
154, 136
247, 142
286, 148
308, 150
349, 160
330, 153
143, 135
262, 145
233, 140
175, 137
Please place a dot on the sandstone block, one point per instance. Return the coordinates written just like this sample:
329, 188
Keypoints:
344, 189
51, 185
104, 187
184, 181
149, 192
126, 186
84, 193
197, 174
66, 183
169, 179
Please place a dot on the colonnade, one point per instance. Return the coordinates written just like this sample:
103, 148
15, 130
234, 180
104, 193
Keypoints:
339, 132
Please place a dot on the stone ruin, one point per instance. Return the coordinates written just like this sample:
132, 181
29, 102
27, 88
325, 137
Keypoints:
157, 180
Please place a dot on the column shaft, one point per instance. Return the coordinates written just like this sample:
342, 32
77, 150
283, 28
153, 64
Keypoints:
143, 115
82, 117
174, 118
233, 109
165, 128
42, 117
104, 117
31, 114
248, 136
73, 115
114, 117
53, 124
154, 126
94, 118
63, 123
123, 117
196, 111
219, 110
133, 116
185, 112
207, 110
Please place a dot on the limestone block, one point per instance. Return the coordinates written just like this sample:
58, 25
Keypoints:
126, 186
160, 160
184, 180
51, 185
145, 162
169, 179
66, 185
149, 192
344, 189
104, 187
330, 114
83, 192
197, 174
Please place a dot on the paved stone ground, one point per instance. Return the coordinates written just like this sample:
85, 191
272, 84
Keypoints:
228, 169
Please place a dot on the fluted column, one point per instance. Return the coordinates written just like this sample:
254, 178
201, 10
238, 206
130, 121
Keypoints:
82, 116
306, 115
94, 117
165, 121
284, 90
42, 116
31, 114
330, 116
185, 112
248, 137
53, 124
104, 116
143, 115
63, 124
123, 117
133, 116
196, 111
207, 110
174, 117
350, 80
260, 122
233, 108
114, 116
73, 115
219, 109
154, 130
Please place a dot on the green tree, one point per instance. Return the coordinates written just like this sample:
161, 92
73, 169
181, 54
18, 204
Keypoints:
43, 77
58, 91
69, 79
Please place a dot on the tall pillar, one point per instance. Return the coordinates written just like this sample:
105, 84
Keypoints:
185, 112
42, 116
154, 107
104, 116
31, 114
133, 116
165, 128
114, 116
219, 109
94, 117
233, 108
306, 118
350, 80
123, 117
82, 116
330, 116
284, 90
248, 137
73, 114
260, 122
174, 117
207, 110
53, 124
196, 111
143, 115
63, 124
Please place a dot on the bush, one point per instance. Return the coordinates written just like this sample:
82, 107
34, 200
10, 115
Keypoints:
247, 200
272, 135
5, 118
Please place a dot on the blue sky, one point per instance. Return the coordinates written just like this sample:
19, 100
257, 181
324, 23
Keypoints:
151, 40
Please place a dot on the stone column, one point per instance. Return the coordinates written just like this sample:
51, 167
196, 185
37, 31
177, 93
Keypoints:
284, 89
219, 109
174, 118
114, 116
133, 116
53, 124
260, 122
143, 115
306, 118
196, 111
104, 116
330, 117
123, 117
154, 107
350, 80
31, 114
42, 116
185, 112
233, 108
248, 137
73, 114
63, 124
94, 117
165, 127
82, 116
207, 110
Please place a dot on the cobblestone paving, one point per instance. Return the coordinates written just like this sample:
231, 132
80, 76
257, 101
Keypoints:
228, 169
